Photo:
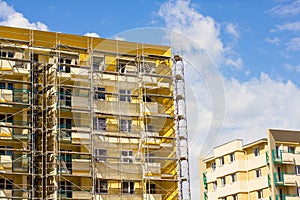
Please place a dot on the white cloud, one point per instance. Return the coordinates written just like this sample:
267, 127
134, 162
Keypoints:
289, 26
9, 17
293, 44
295, 68
91, 34
203, 30
232, 29
258, 104
251, 106
274, 40
286, 10
237, 63
119, 38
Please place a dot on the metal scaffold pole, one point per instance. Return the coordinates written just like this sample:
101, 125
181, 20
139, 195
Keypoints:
181, 128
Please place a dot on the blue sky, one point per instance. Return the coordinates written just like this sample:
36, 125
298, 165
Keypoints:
247, 79
255, 22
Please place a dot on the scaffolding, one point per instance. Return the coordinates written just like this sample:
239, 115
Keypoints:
90, 118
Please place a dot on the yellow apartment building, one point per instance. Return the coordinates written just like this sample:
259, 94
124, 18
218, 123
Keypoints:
90, 118
265, 169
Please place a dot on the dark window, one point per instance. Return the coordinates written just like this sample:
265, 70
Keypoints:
149, 128
10, 86
2, 184
256, 151
10, 118
9, 184
99, 93
291, 149
128, 187
69, 123
101, 124
122, 68
150, 188
2, 85
146, 98
100, 155
101, 186
125, 95
125, 125
68, 97
2, 118
10, 54
98, 63
68, 61
127, 156
3, 54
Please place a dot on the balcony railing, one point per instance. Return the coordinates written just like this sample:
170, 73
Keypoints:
286, 179
287, 197
285, 157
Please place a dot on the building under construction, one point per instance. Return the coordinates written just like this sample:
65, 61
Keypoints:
90, 118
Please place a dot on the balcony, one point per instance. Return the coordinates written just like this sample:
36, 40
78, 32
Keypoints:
81, 167
286, 179
5, 163
125, 171
14, 95
284, 157
113, 107
150, 107
152, 170
154, 108
7, 194
287, 197
78, 166
72, 194
6, 95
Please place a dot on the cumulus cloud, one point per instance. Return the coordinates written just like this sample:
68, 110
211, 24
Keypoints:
258, 104
286, 10
9, 17
182, 17
250, 106
232, 30
289, 26
91, 34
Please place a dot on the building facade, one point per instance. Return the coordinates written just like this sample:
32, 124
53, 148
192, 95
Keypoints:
89, 118
265, 169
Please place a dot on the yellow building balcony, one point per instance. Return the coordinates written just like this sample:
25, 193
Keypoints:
6, 95
286, 179
113, 108
81, 167
5, 132
118, 171
287, 197
286, 157
5, 163
289, 157
152, 170
6, 194
16, 66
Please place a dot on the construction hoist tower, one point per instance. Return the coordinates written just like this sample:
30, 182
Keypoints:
184, 191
